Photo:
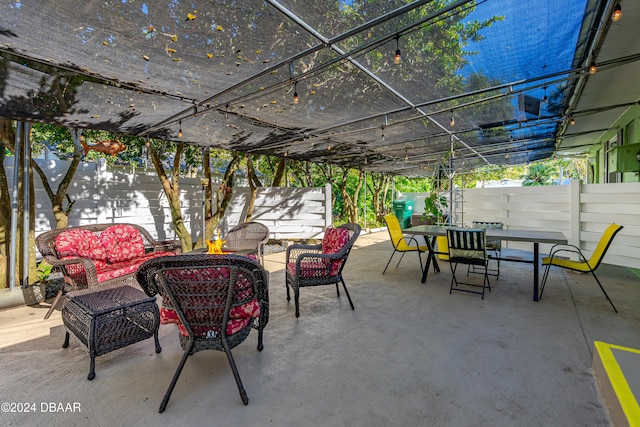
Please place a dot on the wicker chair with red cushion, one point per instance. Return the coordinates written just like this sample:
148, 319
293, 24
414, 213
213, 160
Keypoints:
321, 264
214, 299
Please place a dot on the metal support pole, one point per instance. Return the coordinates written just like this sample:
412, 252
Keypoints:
13, 234
204, 183
26, 157
450, 174
365, 199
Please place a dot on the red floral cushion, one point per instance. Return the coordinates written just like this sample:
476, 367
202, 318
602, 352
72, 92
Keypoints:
122, 243
80, 243
335, 266
111, 271
334, 240
80, 268
239, 318
309, 268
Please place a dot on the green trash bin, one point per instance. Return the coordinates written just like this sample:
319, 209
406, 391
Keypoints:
403, 209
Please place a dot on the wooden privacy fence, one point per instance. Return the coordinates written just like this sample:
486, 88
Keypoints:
580, 211
101, 195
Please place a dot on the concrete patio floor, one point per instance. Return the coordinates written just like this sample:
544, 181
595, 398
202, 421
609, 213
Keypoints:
409, 355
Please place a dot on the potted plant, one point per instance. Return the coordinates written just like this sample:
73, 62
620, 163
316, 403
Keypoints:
435, 206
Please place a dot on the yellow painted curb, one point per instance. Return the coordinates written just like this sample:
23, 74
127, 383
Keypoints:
623, 392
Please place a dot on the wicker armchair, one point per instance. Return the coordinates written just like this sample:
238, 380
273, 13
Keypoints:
248, 235
322, 264
214, 299
81, 271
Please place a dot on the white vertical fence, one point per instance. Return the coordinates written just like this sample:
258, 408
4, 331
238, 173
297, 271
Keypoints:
300, 213
107, 196
580, 211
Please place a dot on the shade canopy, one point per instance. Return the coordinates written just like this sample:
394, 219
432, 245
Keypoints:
477, 83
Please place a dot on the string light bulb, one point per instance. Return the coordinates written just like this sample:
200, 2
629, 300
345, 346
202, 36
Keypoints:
398, 56
572, 121
452, 123
180, 130
593, 68
617, 13
296, 99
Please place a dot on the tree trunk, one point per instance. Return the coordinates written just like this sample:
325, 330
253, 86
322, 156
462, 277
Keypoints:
351, 201
209, 227
61, 213
379, 188
172, 191
7, 133
385, 197
277, 177
252, 178
223, 195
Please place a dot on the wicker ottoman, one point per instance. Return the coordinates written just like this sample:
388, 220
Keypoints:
109, 319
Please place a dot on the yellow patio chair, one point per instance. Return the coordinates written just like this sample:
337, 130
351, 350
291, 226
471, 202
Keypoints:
399, 241
583, 265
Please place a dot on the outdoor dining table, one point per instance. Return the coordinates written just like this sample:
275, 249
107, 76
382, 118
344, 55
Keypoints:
516, 235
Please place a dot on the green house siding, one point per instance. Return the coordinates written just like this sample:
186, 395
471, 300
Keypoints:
614, 156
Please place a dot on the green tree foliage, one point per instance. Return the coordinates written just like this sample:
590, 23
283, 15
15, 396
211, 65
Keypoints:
538, 174
551, 171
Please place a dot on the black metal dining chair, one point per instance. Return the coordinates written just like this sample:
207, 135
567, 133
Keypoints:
468, 246
494, 248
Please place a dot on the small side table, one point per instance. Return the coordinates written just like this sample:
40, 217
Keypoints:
110, 318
